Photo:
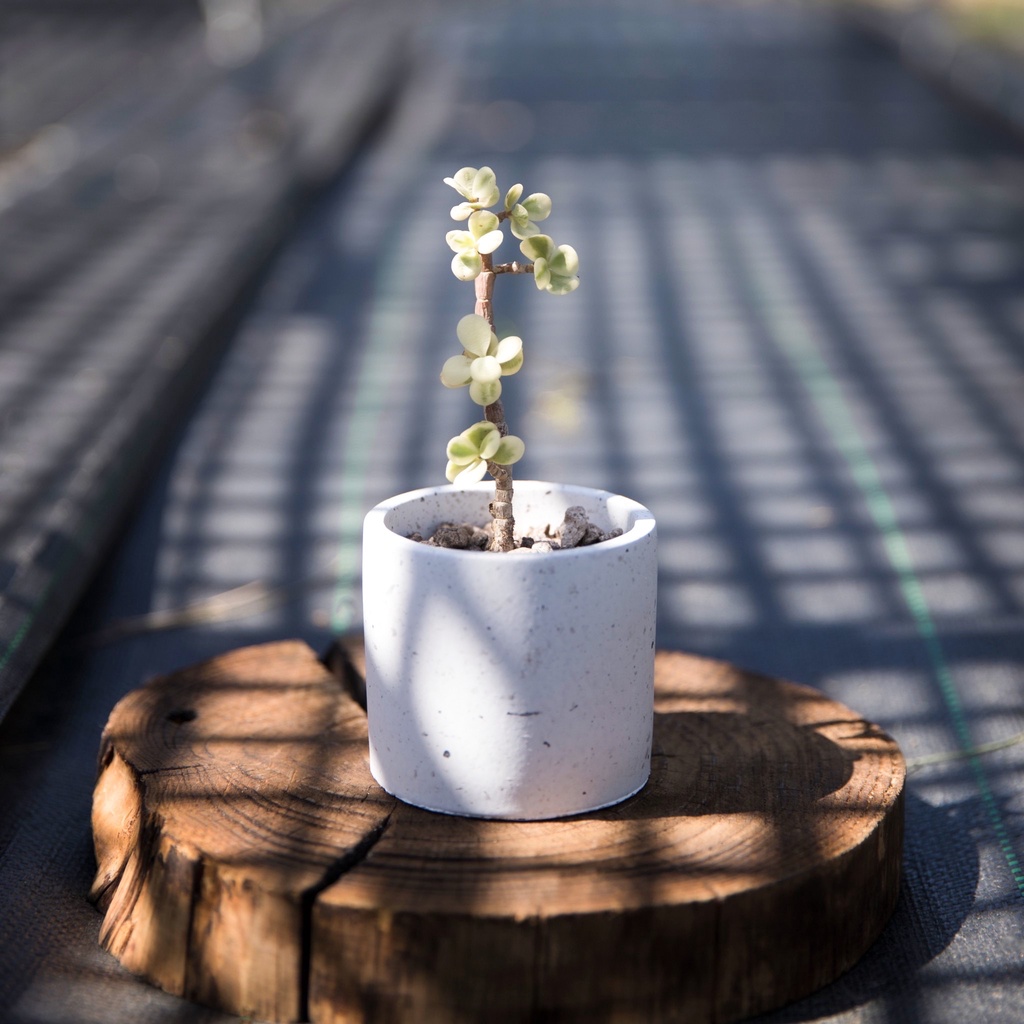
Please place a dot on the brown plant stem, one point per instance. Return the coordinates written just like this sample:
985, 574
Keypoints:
501, 506
515, 267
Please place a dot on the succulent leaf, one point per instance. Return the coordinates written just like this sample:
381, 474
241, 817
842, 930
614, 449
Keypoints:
469, 453
538, 205
477, 186
510, 450
554, 269
461, 475
481, 222
479, 433
483, 237
489, 242
537, 247
485, 187
467, 265
509, 352
475, 334
462, 180
462, 451
459, 240
456, 372
485, 392
484, 360
485, 369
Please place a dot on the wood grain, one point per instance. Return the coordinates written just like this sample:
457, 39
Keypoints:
229, 794
248, 860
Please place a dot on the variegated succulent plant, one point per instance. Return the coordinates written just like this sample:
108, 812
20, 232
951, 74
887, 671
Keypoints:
487, 446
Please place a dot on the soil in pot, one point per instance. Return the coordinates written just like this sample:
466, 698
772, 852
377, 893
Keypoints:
575, 531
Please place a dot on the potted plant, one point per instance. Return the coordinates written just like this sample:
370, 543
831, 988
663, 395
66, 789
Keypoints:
509, 628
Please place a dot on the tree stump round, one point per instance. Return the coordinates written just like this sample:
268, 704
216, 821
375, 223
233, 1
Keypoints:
248, 861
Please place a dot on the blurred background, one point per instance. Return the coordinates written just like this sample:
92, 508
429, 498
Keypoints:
225, 297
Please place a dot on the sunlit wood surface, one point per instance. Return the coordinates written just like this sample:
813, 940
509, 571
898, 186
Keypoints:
248, 861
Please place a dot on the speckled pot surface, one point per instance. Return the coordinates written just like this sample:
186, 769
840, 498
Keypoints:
509, 685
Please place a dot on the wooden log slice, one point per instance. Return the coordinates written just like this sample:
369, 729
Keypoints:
229, 794
760, 861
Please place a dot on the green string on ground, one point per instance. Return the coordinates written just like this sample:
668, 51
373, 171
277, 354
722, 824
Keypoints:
798, 346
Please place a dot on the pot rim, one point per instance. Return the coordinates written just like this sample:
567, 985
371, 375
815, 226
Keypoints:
643, 519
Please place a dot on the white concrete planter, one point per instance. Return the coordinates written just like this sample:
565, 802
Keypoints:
509, 685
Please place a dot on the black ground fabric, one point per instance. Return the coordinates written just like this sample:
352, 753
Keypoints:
798, 339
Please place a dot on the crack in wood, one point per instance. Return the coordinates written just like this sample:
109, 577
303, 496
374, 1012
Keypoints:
341, 867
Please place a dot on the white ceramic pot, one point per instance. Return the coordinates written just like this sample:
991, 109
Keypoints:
512, 685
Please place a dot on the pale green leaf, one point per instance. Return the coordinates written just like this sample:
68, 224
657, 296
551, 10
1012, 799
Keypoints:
471, 474
541, 273
489, 242
565, 261
482, 222
474, 332
462, 181
563, 285
525, 230
509, 349
459, 240
513, 365
456, 372
485, 392
485, 187
537, 247
480, 434
466, 266
485, 369
538, 206
512, 196
510, 450
462, 451
493, 443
